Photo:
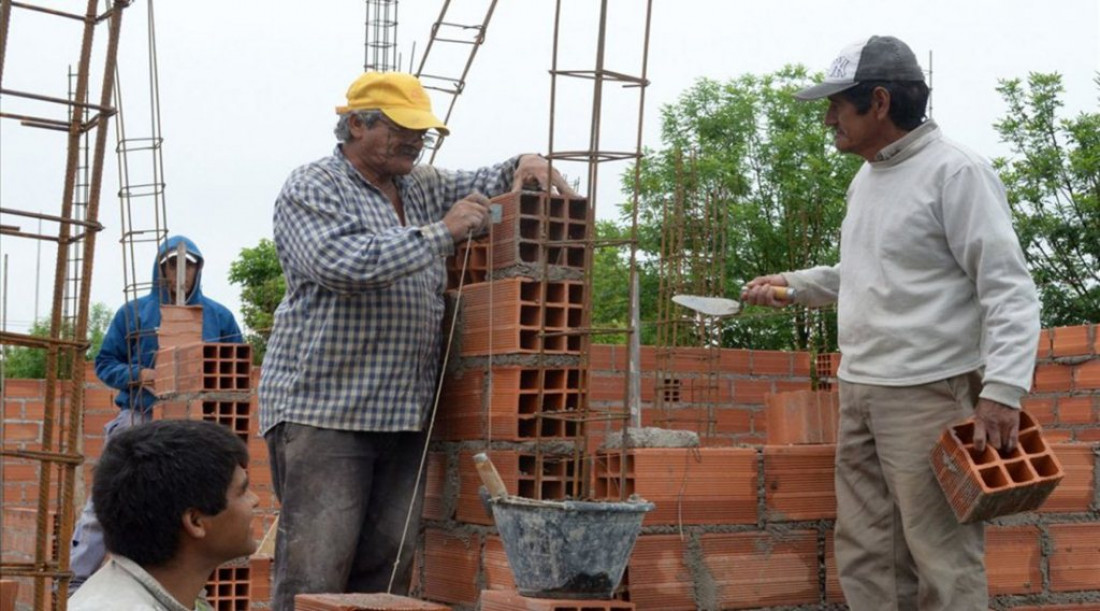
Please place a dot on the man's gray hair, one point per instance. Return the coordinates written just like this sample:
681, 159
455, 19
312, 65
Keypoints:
366, 117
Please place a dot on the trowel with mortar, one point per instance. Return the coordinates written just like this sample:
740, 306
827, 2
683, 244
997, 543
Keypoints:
721, 307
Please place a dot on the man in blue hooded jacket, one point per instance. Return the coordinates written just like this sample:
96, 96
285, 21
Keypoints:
126, 362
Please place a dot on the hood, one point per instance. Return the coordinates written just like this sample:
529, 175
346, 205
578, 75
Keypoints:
160, 288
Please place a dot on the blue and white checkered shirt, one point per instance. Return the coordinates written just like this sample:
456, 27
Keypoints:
356, 340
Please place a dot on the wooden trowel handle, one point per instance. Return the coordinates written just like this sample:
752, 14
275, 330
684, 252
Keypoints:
489, 476
782, 292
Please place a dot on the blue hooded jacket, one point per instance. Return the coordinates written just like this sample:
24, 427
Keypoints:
133, 331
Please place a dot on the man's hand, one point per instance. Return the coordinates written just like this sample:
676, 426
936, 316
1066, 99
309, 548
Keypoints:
147, 377
535, 171
468, 217
998, 423
759, 291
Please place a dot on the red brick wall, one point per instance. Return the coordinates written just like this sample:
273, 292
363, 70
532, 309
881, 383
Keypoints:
1048, 559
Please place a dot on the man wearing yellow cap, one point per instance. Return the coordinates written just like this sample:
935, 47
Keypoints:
352, 364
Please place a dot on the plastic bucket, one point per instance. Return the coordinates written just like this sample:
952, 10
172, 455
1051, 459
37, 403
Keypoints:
568, 549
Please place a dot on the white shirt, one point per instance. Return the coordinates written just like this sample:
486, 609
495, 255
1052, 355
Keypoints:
932, 282
122, 585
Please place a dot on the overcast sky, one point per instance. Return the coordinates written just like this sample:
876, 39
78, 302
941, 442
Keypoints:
248, 90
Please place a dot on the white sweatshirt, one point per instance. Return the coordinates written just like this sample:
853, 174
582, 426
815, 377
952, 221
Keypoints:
932, 282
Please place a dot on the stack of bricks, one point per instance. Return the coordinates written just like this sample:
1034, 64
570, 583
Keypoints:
516, 383
215, 382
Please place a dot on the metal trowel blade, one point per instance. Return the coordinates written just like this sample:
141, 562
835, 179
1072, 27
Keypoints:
711, 306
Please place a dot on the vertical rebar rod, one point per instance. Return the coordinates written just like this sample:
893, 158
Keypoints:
51, 407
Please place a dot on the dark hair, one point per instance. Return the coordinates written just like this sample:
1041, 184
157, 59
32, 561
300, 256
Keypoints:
908, 100
151, 474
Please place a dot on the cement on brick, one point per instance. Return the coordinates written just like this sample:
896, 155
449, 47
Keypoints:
651, 437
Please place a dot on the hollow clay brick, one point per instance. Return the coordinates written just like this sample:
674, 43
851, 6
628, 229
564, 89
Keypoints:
762, 569
204, 367
1052, 377
982, 486
1074, 557
657, 575
1071, 341
534, 227
1012, 557
802, 417
1086, 376
451, 566
1045, 344
798, 482
236, 415
510, 600
524, 403
687, 485
179, 325
363, 602
495, 567
521, 316
229, 588
1077, 490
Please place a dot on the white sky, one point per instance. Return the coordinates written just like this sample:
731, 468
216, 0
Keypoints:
248, 87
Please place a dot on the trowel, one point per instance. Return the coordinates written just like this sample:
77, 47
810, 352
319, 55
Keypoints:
493, 487
721, 307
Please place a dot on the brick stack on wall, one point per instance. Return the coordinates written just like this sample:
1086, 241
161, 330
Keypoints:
515, 385
216, 382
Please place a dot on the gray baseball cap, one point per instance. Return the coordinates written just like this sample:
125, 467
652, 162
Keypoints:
878, 58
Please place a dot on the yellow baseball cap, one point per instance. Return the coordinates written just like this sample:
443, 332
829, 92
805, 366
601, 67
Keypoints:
398, 95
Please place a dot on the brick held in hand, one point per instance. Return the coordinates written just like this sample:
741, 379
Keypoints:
989, 484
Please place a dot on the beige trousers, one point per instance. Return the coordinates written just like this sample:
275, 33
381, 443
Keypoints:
898, 544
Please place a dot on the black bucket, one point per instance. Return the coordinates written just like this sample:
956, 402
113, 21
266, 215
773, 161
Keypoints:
568, 549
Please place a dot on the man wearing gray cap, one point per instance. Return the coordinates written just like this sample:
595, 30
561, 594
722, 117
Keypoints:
938, 321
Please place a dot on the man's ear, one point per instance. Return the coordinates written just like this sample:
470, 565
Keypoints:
356, 127
880, 102
194, 523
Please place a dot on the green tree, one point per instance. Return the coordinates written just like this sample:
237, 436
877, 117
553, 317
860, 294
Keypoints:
258, 272
611, 285
767, 163
1053, 183
30, 363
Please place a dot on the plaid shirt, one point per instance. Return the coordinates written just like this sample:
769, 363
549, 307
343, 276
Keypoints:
356, 340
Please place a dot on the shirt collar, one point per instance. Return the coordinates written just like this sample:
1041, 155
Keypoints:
906, 146
148, 582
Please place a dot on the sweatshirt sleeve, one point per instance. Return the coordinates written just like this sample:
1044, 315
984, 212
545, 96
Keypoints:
816, 286
978, 226
112, 363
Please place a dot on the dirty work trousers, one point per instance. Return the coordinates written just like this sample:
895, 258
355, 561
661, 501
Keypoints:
88, 547
345, 498
898, 544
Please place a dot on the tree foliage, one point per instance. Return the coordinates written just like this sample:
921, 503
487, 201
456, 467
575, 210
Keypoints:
768, 165
30, 363
263, 285
1053, 183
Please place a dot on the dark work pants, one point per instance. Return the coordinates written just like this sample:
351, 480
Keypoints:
345, 499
